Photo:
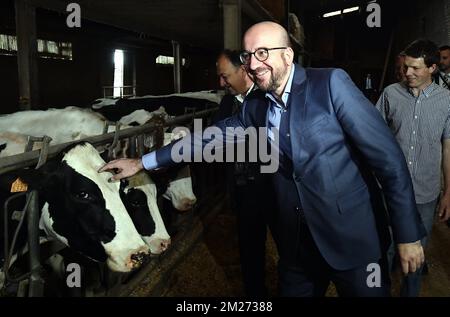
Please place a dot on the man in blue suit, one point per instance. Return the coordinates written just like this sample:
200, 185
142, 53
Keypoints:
331, 225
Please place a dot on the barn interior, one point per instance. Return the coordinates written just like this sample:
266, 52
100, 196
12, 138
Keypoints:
58, 53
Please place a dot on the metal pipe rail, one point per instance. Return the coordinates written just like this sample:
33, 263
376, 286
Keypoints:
26, 159
36, 282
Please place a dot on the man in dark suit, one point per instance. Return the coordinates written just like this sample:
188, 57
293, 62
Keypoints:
330, 225
442, 76
248, 189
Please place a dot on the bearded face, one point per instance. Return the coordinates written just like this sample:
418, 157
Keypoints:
269, 76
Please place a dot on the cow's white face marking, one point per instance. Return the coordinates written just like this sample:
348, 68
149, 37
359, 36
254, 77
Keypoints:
180, 192
46, 224
85, 160
144, 183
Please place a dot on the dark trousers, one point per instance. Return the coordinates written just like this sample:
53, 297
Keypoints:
253, 203
310, 276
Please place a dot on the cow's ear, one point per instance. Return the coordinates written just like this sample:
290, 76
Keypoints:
123, 184
38, 178
7, 180
104, 155
33, 178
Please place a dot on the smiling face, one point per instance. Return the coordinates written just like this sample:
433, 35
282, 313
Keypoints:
418, 75
273, 73
231, 77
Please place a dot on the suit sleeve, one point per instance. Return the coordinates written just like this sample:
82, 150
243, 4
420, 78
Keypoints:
225, 109
369, 133
221, 133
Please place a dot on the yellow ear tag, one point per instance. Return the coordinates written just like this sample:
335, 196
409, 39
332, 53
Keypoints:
18, 186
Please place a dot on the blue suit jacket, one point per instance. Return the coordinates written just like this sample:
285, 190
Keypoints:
339, 140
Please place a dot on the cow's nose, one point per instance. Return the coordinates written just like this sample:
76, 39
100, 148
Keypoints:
165, 243
158, 246
187, 204
139, 258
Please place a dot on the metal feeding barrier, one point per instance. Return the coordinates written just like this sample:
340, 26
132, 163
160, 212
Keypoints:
22, 160
33, 279
31, 211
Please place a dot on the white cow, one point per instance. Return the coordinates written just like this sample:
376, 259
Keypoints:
210, 95
62, 125
15, 143
142, 116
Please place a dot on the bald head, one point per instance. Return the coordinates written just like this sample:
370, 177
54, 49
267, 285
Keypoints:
269, 56
269, 30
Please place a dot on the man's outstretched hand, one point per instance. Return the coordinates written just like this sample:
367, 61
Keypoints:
125, 168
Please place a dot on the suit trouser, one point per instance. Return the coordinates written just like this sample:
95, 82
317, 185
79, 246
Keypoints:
311, 274
253, 204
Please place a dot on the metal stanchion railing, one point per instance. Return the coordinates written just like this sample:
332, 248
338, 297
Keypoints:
18, 161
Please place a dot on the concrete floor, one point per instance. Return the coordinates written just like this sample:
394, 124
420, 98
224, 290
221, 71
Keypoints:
212, 267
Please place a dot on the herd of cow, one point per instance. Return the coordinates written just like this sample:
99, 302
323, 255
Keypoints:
117, 223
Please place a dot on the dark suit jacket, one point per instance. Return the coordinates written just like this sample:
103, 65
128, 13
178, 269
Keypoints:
226, 108
437, 80
338, 139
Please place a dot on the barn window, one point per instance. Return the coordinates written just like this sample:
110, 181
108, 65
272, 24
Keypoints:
45, 48
118, 73
54, 49
168, 60
8, 44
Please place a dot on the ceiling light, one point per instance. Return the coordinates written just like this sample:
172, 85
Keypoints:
330, 14
338, 12
350, 9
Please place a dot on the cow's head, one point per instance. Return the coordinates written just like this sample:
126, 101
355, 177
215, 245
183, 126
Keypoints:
179, 190
139, 196
84, 211
179, 187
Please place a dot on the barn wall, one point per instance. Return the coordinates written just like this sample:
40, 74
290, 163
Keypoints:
429, 19
348, 42
9, 89
80, 81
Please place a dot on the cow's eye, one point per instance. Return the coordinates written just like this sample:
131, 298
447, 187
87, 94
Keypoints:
84, 195
136, 203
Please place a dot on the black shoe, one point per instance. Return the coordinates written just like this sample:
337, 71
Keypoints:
425, 269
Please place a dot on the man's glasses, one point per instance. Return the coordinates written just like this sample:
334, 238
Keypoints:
261, 54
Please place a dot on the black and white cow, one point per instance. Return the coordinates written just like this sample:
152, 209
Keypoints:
175, 104
84, 211
140, 198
